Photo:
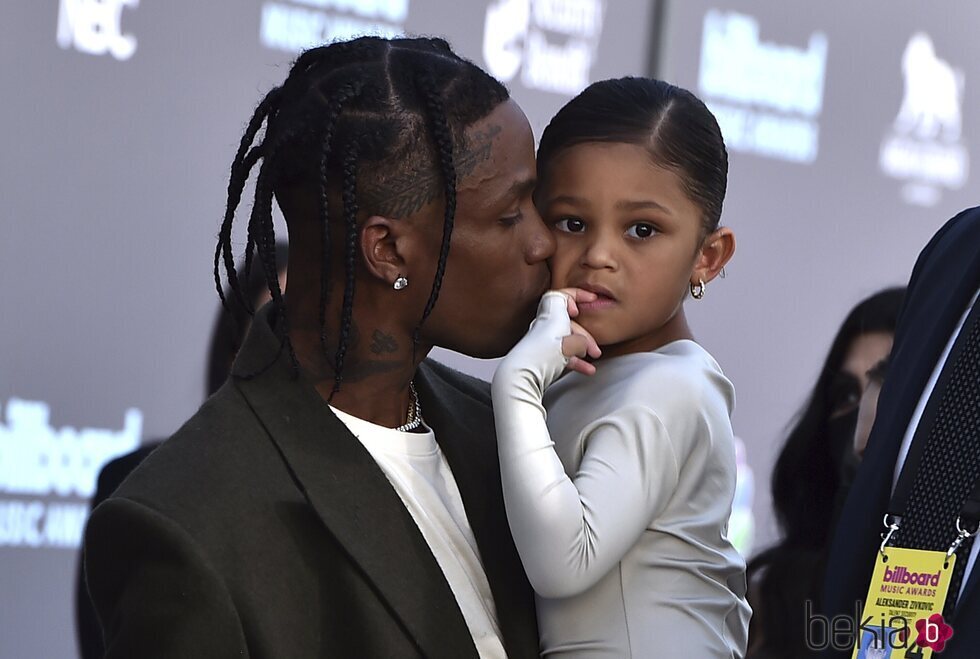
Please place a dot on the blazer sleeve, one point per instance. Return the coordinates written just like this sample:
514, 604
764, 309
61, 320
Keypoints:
154, 590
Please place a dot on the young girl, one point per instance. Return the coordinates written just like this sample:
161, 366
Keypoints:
619, 502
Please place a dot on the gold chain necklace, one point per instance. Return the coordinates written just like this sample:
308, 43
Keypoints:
414, 412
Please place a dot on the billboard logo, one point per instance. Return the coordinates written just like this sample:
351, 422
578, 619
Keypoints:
300, 24
95, 27
38, 460
766, 96
551, 43
923, 147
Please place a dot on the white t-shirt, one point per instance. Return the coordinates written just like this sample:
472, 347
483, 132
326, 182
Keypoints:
417, 469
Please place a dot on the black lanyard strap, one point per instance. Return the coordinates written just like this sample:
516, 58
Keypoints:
921, 435
970, 513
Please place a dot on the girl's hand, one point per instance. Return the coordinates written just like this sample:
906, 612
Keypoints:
553, 344
579, 343
575, 295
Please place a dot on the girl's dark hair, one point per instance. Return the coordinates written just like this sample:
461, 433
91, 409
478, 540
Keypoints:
379, 121
671, 123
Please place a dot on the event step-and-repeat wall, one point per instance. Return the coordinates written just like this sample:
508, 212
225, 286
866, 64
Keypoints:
850, 140
851, 128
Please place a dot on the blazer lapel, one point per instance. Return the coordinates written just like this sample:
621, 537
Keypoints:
464, 430
353, 497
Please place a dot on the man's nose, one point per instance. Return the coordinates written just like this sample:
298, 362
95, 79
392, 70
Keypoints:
541, 243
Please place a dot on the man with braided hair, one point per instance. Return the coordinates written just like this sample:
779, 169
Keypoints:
339, 495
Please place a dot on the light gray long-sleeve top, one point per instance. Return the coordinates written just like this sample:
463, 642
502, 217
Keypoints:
621, 521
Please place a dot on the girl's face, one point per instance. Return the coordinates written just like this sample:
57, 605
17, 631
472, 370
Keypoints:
626, 230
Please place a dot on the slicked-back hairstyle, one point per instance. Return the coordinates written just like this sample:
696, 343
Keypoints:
671, 123
381, 121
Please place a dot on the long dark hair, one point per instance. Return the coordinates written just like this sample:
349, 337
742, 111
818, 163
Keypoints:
806, 477
675, 127
377, 120
807, 488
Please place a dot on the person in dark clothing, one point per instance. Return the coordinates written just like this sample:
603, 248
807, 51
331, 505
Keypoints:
926, 423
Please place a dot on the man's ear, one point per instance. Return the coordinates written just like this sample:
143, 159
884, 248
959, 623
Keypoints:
716, 250
382, 243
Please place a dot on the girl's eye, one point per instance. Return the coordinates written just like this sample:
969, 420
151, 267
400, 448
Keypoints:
570, 225
641, 230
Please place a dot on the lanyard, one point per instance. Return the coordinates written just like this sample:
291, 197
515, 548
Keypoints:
967, 523
970, 510
900, 497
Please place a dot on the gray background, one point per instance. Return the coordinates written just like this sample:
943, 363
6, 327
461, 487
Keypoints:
112, 186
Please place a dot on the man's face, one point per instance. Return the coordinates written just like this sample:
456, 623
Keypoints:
497, 265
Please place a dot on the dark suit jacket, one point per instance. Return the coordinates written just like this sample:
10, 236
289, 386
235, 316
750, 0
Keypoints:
943, 281
88, 631
263, 528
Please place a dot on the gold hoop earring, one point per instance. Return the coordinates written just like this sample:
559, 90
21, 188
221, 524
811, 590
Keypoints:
697, 290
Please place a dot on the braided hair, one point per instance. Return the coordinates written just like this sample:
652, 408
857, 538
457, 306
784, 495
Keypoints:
367, 117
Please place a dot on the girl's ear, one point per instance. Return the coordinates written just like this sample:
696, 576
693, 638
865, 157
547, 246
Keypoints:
716, 250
